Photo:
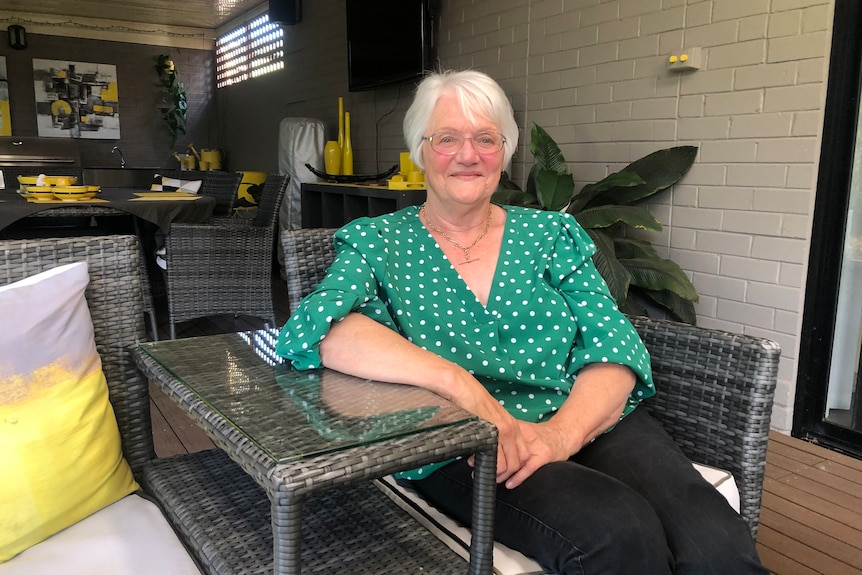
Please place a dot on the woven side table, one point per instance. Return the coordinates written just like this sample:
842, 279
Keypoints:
288, 488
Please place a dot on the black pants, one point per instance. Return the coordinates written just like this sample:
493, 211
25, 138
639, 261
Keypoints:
629, 503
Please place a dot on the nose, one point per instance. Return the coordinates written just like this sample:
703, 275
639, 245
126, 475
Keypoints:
467, 152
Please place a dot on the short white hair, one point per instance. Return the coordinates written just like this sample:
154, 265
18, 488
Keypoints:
478, 95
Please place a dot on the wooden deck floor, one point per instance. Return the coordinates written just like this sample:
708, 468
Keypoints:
811, 521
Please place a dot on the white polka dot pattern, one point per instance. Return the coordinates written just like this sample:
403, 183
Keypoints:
549, 312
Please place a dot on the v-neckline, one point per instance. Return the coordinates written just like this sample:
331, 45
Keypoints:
495, 281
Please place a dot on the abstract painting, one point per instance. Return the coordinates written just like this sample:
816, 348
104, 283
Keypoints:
76, 99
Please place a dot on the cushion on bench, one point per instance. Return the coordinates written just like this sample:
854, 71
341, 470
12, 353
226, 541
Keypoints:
129, 537
507, 561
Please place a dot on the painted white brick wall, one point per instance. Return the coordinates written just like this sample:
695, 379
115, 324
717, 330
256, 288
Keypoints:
593, 73
596, 80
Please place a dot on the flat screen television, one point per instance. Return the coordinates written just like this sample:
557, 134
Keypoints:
388, 42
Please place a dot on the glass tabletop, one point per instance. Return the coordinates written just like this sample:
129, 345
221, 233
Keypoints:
292, 414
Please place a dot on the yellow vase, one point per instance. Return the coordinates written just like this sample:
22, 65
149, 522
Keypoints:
332, 157
340, 123
347, 151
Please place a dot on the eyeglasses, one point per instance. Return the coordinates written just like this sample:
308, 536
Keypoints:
448, 143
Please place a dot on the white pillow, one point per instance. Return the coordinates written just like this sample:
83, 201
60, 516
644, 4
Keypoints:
163, 184
62, 459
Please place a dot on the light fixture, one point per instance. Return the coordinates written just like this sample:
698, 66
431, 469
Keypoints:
17, 37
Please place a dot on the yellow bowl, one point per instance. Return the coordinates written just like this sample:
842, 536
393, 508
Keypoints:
40, 192
61, 180
74, 193
49, 180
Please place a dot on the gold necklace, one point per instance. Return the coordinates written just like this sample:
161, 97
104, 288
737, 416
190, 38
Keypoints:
456, 243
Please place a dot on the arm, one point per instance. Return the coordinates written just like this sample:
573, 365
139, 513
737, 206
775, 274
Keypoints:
360, 346
594, 405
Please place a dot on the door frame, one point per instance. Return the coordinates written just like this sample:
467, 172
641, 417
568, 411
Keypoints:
829, 225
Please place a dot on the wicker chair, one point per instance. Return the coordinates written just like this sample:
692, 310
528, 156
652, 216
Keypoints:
223, 186
224, 266
114, 300
715, 388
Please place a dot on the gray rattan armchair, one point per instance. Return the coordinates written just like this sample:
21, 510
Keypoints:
224, 266
715, 389
114, 299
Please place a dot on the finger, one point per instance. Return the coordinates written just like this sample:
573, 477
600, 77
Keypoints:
522, 474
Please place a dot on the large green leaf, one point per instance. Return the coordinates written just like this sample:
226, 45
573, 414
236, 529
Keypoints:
659, 170
554, 190
621, 179
632, 307
605, 216
682, 309
546, 152
658, 274
514, 198
611, 269
630, 248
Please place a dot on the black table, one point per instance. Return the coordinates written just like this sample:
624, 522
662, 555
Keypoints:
109, 201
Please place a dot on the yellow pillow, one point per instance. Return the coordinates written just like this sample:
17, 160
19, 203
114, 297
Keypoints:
62, 459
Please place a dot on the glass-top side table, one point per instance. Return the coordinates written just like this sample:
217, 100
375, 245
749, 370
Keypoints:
292, 414
297, 432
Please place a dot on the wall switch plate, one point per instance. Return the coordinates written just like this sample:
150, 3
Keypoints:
684, 60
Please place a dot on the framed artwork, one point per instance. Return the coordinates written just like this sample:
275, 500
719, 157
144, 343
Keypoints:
5, 116
76, 99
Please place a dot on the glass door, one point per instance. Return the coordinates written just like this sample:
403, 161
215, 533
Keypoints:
844, 393
828, 406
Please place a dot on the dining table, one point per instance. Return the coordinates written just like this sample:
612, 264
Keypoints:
159, 208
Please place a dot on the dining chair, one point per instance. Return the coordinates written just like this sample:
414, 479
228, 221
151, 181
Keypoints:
224, 266
715, 395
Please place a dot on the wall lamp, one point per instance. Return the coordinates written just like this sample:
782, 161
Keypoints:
17, 37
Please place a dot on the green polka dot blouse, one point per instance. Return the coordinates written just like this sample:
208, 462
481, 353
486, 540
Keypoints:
549, 312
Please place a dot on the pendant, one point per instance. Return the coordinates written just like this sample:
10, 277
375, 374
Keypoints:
467, 258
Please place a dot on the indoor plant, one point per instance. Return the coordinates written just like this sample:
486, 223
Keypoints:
173, 103
635, 273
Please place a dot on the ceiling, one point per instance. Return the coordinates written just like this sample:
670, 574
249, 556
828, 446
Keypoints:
210, 14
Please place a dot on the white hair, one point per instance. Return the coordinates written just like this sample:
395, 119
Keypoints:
478, 95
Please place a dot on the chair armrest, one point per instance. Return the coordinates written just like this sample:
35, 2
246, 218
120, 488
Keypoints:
714, 396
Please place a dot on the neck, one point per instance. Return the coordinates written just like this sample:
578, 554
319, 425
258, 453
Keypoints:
460, 220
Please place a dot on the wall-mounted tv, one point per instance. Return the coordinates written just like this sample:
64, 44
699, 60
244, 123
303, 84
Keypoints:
388, 42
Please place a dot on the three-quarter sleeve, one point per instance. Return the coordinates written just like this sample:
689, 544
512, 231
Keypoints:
604, 333
350, 285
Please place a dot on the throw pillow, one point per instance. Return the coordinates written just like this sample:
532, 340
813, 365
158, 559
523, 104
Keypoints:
62, 458
164, 184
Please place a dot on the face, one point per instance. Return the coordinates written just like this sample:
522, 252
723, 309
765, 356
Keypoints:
468, 176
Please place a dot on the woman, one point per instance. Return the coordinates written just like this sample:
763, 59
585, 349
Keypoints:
500, 310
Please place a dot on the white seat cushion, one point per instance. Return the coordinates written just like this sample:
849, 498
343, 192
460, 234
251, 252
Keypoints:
507, 561
129, 537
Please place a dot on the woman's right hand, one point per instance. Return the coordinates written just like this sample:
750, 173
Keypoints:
512, 448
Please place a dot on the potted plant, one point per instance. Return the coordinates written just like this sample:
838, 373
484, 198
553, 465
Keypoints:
635, 273
173, 103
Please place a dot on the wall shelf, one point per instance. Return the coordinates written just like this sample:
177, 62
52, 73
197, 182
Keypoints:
333, 205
